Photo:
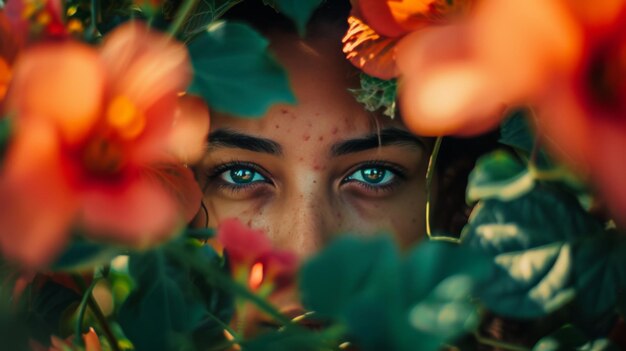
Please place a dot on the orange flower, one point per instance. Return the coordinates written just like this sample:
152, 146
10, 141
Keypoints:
457, 79
376, 26
92, 144
253, 260
8, 51
584, 114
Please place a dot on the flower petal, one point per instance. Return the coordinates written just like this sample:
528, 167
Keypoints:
243, 245
188, 139
63, 82
378, 15
181, 185
368, 51
37, 207
136, 211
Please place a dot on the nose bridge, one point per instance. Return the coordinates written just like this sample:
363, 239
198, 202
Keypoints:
306, 224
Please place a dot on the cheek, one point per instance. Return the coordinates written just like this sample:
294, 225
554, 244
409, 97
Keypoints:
251, 213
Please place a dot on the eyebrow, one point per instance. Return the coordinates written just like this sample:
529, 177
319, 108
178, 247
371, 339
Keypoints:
231, 139
385, 137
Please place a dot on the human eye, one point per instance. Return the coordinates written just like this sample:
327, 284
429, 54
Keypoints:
374, 175
239, 175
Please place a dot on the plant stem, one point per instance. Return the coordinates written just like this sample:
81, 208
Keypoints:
430, 173
181, 15
93, 305
82, 308
231, 331
499, 344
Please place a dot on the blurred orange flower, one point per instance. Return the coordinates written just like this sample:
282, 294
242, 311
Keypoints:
458, 79
584, 114
92, 144
252, 259
8, 50
376, 26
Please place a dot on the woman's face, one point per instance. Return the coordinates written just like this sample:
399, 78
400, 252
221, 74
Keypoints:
308, 172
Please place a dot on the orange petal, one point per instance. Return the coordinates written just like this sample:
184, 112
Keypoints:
145, 65
181, 185
91, 340
370, 52
37, 206
525, 42
455, 99
63, 82
243, 244
135, 211
378, 15
188, 139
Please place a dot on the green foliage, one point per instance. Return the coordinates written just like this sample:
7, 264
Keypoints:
376, 93
82, 254
498, 176
171, 302
570, 338
394, 303
234, 72
516, 132
204, 14
288, 339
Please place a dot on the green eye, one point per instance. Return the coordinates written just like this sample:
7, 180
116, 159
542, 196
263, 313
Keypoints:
376, 176
242, 176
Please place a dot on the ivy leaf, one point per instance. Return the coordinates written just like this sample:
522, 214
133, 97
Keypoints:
570, 338
205, 13
234, 72
82, 254
530, 239
299, 11
288, 339
515, 131
499, 176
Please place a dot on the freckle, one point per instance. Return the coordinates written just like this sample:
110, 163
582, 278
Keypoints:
249, 223
309, 124
306, 137
315, 182
320, 138
293, 116
301, 159
338, 215
335, 131
316, 167
277, 126
289, 130
284, 110
317, 113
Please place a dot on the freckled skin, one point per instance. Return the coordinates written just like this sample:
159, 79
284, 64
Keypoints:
308, 201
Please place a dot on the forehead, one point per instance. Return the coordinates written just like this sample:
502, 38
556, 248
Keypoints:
320, 78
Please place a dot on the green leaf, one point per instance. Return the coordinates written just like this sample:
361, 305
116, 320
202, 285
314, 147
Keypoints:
351, 266
498, 176
530, 239
600, 272
82, 254
288, 339
204, 14
234, 72
570, 338
376, 93
391, 303
515, 131
299, 11
168, 305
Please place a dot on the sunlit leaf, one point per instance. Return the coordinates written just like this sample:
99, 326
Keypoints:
205, 13
499, 176
570, 338
83, 254
531, 240
234, 72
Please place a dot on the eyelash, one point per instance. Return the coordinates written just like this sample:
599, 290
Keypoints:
396, 170
216, 172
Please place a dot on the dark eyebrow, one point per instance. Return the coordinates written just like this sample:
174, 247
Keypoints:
387, 136
232, 139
